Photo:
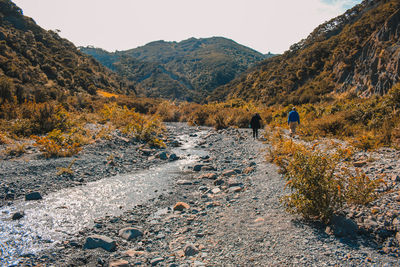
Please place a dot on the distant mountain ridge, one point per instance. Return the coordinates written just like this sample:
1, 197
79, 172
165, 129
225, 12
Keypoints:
40, 64
355, 53
187, 70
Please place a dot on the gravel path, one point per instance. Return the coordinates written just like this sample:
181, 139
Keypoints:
230, 215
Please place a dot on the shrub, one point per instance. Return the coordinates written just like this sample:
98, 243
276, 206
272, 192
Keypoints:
360, 189
133, 124
316, 192
58, 144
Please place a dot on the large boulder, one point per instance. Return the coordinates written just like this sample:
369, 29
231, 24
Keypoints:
99, 241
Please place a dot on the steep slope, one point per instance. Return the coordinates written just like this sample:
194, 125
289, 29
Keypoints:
357, 53
192, 67
39, 64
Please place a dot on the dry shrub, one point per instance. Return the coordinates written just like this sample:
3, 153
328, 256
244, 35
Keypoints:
134, 124
15, 150
318, 190
360, 189
168, 112
58, 144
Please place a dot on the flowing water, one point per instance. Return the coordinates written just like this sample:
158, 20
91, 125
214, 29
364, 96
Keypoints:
50, 221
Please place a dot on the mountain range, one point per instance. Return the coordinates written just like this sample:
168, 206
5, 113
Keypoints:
355, 54
186, 70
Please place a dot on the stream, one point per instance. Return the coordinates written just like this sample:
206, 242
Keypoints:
50, 221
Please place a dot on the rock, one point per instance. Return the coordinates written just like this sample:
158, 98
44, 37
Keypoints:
146, 152
229, 173
134, 253
99, 241
9, 196
119, 263
130, 233
197, 167
156, 261
341, 226
248, 170
211, 176
180, 206
190, 250
398, 237
173, 157
219, 182
207, 168
33, 196
360, 163
215, 190
184, 182
235, 189
163, 155
18, 215
175, 143
251, 164
234, 182
396, 224
395, 178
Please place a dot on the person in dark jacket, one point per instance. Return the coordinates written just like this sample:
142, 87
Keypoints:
293, 120
255, 124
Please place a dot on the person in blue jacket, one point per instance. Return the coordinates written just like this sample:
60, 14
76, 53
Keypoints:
293, 120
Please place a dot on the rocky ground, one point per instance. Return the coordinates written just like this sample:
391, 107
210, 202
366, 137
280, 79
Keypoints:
223, 211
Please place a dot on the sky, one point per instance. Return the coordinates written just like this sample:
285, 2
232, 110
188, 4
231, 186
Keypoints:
264, 25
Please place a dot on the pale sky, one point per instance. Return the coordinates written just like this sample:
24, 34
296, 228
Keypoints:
264, 25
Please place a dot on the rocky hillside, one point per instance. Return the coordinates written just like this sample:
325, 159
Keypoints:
356, 53
189, 69
38, 64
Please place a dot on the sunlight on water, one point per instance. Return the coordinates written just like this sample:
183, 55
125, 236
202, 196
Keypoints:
50, 221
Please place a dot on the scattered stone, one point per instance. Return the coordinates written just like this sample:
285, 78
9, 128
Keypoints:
248, 170
9, 196
219, 182
156, 261
99, 241
163, 155
234, 182
18, 215
235, 189
119, 263
211, 176
33, 196
229, 173
395, 178
173, 157
207, 168
146, 152
197, 167
134, 253
180, 206
359, 164
184, 182
215, 190
130, 233
190, 250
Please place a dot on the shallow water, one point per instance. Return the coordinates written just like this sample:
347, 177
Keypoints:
50, 221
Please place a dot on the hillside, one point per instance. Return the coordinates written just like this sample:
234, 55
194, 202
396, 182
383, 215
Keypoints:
189, 69
36, 64
356, 53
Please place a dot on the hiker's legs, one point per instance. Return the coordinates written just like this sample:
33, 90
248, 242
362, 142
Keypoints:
255, 133
293, 126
